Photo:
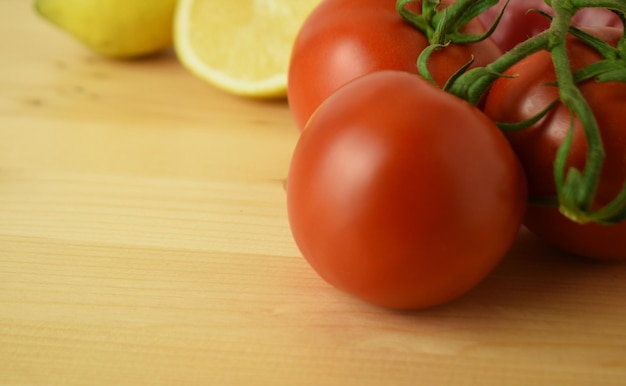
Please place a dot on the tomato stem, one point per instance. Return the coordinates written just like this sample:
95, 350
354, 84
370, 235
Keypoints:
417, 21
472, 85
577, 190
455, 16
442, 24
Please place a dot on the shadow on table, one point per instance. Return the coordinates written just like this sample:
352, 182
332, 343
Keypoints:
535, 275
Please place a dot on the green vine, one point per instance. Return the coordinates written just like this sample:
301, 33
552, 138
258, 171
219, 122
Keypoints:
576, 189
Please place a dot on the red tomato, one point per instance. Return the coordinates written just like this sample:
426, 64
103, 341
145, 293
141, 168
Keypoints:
402, 194
518, 24
519, 98
344, 39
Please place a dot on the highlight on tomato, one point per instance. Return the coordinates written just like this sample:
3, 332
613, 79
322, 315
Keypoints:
401, 194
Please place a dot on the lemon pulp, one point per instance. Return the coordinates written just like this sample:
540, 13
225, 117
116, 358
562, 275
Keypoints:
241, 46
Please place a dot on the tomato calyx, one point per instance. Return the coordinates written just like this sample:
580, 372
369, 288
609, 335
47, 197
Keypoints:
443, 24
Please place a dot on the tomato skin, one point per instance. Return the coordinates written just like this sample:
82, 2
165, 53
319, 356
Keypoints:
401, 194
517, 24
603, 242
519, 98
344, 39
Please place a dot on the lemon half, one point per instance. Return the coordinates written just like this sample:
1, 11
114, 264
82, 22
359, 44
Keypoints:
243, 46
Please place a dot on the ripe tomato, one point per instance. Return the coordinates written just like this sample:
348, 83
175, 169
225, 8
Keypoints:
518, 24
402, 194
519, 98
344, 39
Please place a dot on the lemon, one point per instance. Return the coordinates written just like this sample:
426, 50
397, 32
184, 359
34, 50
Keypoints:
114, 28
242, 46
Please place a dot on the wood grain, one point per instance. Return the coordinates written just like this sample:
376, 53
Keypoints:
144, 241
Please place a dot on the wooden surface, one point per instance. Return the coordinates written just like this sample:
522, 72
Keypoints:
144, 241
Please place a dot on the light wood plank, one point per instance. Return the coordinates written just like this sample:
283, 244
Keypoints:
144, 241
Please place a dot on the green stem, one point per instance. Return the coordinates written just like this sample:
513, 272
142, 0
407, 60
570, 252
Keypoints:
453, 14
577, 193
462, 11
576, 189
442, 24
417, 21
472, 85
617, 5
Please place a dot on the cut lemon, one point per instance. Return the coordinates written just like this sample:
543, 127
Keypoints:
240, 46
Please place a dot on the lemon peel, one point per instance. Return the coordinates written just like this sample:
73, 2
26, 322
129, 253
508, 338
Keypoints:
114, 28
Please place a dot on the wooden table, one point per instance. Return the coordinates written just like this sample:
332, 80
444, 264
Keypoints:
144, 241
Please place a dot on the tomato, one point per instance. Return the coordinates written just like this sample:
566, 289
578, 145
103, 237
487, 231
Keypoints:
344, 39
519, 98
518, 24
402, 194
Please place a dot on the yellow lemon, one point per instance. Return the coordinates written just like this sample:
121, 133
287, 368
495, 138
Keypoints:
240, 46
115, 28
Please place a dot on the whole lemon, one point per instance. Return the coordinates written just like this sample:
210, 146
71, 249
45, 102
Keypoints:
114, 28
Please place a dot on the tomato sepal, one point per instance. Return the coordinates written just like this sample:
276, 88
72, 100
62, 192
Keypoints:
493, 26
443, 25
519, 126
